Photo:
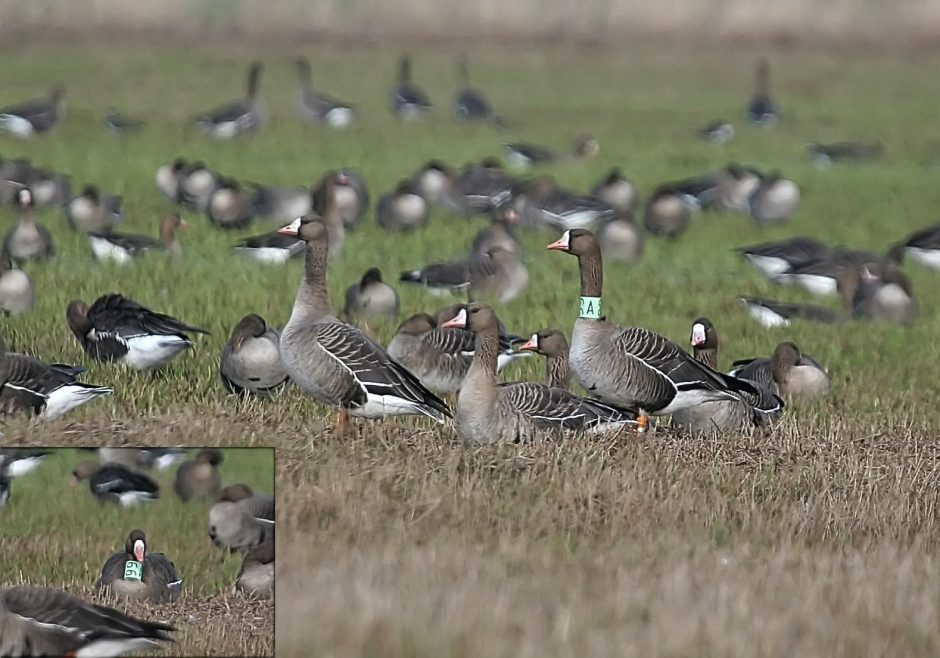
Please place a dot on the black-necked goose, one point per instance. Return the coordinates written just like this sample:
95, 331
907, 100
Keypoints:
470, 104
256, 575
241, 519
553, 345
923, 247
620, 239
762, 110
788, 372
499, 234
774, 201
774, 259
717, 132
523, 156
199, 477
250, 360
769, 313
17, 462
122, 248
94, 211
488, 412
28, 239
667, 212
169, 179
349, 195
197, 183
16, 288
116, 483
334, 362
824, 155
280, 204
371, 297
34, 116
498, 273
631, 366
314, 106
617, 191
402, 209
231, 206
42, 621
408, 99
879, 291
138, 574
121, 124
119, 329
272, 248
237, 117
480, 188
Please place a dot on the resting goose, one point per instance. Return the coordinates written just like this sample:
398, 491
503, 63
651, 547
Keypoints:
923, 247
16, 288
774, 259
250, 360
667, 212
122, 248
408, 100
824, 155
371, 298
28, 239
507, 342
169, 179
788, 372
524, 156
349, 195
136, 458
821, 276
435, 182
313, 106
498, 273
241, 519
115, 483
717, 132
118, 329
730, 190
42, 621
50, 189
237, 117
270, 248
769, 313
499, 234
617, 191
34, 117
326, 205
280, 204
17, 462
470, 104
121, 124
774, 201
480, 188
402, 209
632, 367
94, 211
199, 477
704, 341
256, 576
620, 239
334, 362
197, 184
231, 206
140, 575
542, 204
762, 110
553, 345
880, 292
488, 412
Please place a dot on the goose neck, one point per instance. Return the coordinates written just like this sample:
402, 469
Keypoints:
313, 298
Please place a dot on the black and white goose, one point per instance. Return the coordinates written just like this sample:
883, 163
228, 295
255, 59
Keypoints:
762, 110
480, 188
17, 462
316, 106
923, 247
774, 259
250, 361
271, 248
118, 329
821, 276
470, 103
497, 273
115, 483
770, 314
238, 117
138, 574
34, 116
123, 248
408, 99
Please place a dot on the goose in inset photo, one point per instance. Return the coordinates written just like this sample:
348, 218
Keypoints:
138, 574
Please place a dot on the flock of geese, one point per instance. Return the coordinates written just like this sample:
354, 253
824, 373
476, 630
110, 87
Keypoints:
47, 621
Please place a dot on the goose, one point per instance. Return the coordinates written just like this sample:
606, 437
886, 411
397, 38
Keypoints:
470, 103
169, 179
17, 462
250, 360
28, 239
717, 132
138, 458
238, 117
350, 196
553, 345
774, 259
46, 390
525, 156
230, 206
480, 188
118, 329
762, 110
371, 297
704, 340
197, 183
435, 182
770, 314
617, 191
923, 247
488, 412
498, 273
774, 201
542, 204
821, 276
122, 248
620, 239
313, 106
499, 234
326, 204
241, 519
632, 367
788, 372
270, 248
667, 212
337, 364
256, 575
881, 292
35, 116
137, 574
14, 176
199, 477
507, 342
280, 204
16, 288
115, 483
402, 209
49, 189
824, 155
94, 211
409, 101
43, 621
121, 124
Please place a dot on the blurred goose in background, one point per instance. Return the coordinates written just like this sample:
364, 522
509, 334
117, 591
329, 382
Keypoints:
769, 313
435, 182
319, 107
499, 234
821, 276
497, 273
28, 239
121, 124
256, 575
16, 288
718, 132
371, 298
774, 259
118, 329
197, 184
199, 477
350, 196
824, 155
788, 372
617, 191
543, 204
230, 205
138, 458
620, 239
250, 360
524, 156
479, 188
43, 621
94, 211
237, 117
762, 110
879, 291
17, 462
15, 175
49, 189
35, 116
241, 519
408, 99
122, 248
704, 341
402, 209
115, 483
4, 487
326, 204
280, 204
138, 574
553, 345
470, 103
169, 179
774, 201
923, 247
270, 248
667, 212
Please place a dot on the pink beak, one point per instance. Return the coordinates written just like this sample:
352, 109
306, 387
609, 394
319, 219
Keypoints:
458, 322
561, 244
532, 344
139, 550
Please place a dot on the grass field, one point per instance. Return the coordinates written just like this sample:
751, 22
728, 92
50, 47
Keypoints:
817, 538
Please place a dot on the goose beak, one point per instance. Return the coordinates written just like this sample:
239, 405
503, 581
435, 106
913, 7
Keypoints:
458, 322
531, 345
561, 244
139, 550
698, 335
291, 229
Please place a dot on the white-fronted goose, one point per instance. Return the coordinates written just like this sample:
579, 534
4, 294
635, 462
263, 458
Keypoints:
553, 345
34, 116
542, 204
241, 519
169, 179
272, 248
507, 342
371, 298
121, 124
470, 104
667, 212
116, 483
250, 360
230, 205
824, 155
704, 341
488, 412
237, 117
923, 247
480, 188
620, 239
94, 211
617, 191
138, 574
717, 132
762, 110
524, 156
122, 248
632, 367
435, 182
197, 184
774, 259
314, 106
28, 239
349, 194
788, 372
326, 205
497, 273
118, 329
402, 209
16, 288
774, 201
769, 313
821, 276
280, 204
336, 363
199, 477
408, 99
42, 621
17, 462
499, 234
880, 291
256, 576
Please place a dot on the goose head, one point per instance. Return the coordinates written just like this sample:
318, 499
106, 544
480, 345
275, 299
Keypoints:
308, 228
136, 545
703, 335
786, 356
476, 317
210, 455
83, 471
372, 275
576, 241
250, 326
547, 342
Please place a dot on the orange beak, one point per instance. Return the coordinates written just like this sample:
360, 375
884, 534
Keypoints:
458, 322
561, 244
531, 345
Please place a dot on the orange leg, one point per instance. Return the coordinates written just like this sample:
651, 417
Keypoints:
642, 423
342, 421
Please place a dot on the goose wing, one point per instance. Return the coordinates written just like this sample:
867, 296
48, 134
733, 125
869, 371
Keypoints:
472, 104
114, 313
757, 370
162, 569
927, 238
27, 382
237, 111
440, 275
114, 479
547, 406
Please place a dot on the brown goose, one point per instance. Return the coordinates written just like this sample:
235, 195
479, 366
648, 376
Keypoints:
620, 239
499, 234
251, 362
489, 412
879, 292
94, 211
435, 182
28, 240
334, 362
256, 575
788, 372
237, 117
199, 478
498, 274
123, 248
241, 519
16, 288
553, 345
617, 191
230, 205
326, 203
402, 209
762, 110
42, 621
349, 194
137, 574
34, 116
371, 298
774, 201
667, 212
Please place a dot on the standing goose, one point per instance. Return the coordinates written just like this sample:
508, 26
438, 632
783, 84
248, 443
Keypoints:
199, 478
256, 576
617, 191
470, 104
94, 211
230, 205
667, 212
271, 248
140, 575
408, 99
349, 195
488, 412
241, 519
28, 240
115, 483
42, 621
774, 259
762, 110
16, 288
553, 345
371, 298
770, 314
774, 201
334, 362
788, 372
122, 248
237, 117
402, 209
313, 106
119, 329
498, 273
250, 359
524, 156
923, 247
34, 116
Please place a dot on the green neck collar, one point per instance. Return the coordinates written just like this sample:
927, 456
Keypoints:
591, 308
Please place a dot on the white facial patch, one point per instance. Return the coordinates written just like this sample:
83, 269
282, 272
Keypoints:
698, 334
